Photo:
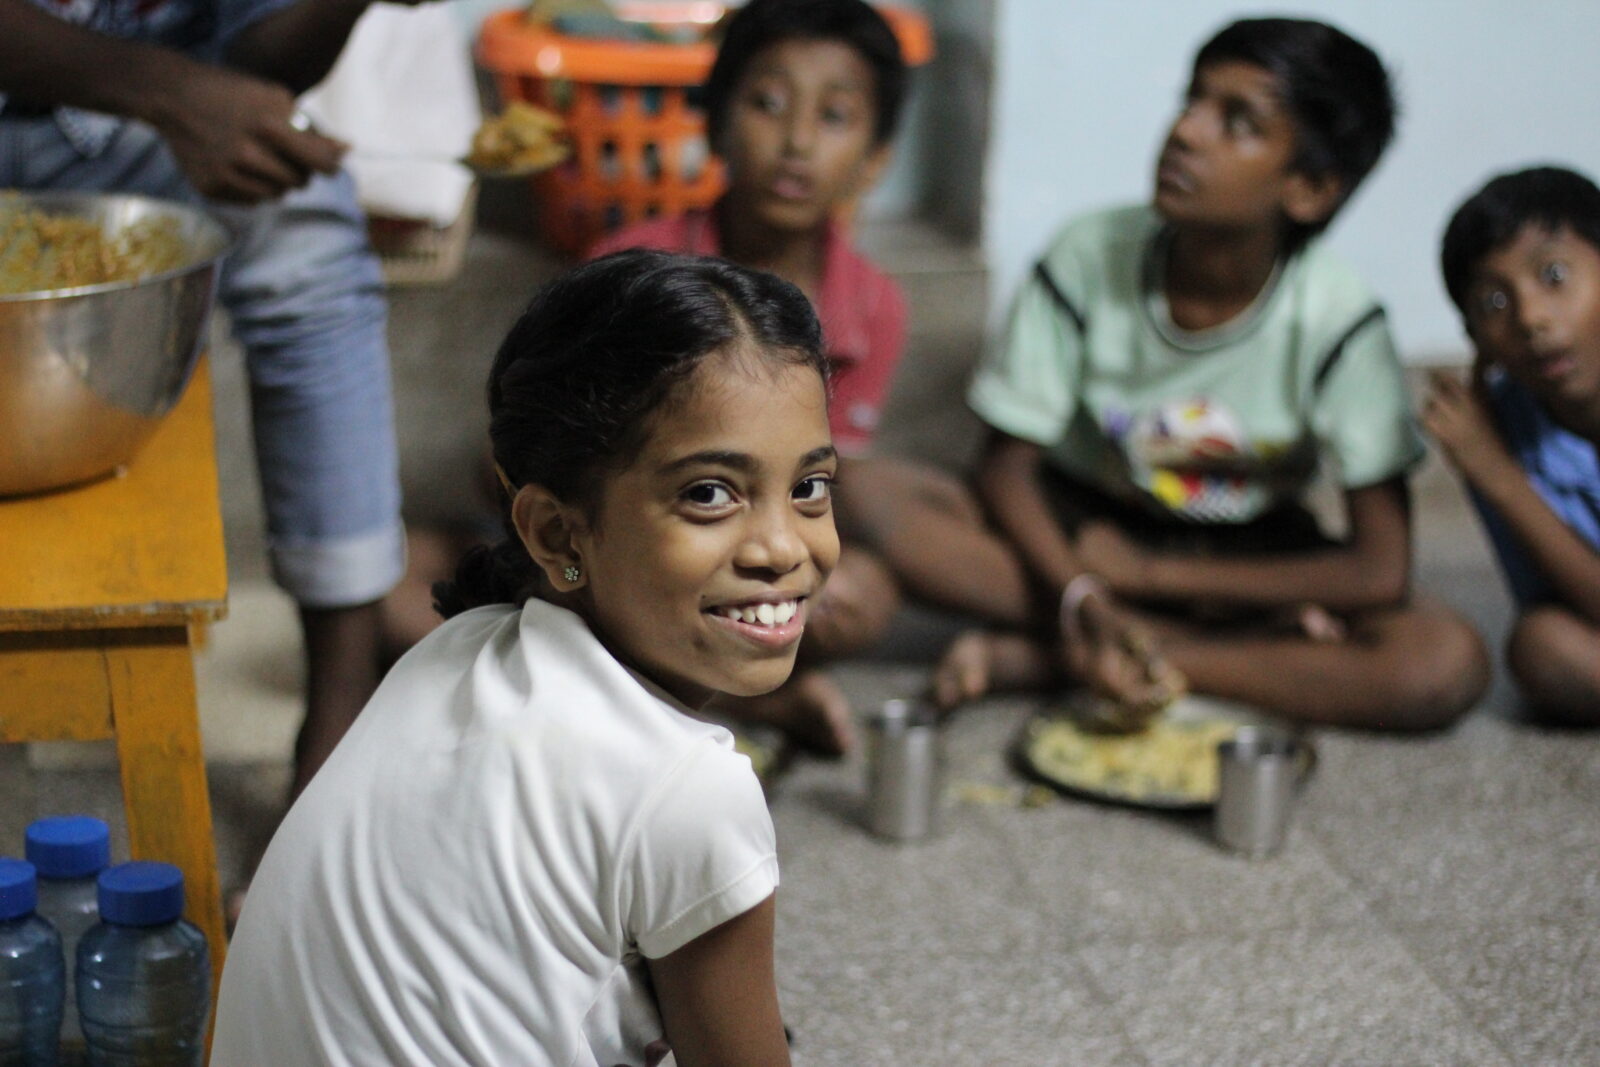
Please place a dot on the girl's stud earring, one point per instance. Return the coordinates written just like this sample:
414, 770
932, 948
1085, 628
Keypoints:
572, 573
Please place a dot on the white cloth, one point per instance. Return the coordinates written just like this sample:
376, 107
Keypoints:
404, 87
477, 873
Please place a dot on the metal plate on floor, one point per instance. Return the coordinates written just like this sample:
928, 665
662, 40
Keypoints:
1170, 766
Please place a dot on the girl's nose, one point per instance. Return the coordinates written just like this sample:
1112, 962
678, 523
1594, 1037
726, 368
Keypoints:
774, 545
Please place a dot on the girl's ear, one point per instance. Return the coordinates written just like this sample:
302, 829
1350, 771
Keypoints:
1309, 200
548, 528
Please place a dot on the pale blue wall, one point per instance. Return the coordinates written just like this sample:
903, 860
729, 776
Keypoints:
1085, 88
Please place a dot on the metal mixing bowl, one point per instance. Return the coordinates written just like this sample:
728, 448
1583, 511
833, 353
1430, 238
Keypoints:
87, 373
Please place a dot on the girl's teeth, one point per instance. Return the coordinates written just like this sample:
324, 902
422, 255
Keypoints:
764, 614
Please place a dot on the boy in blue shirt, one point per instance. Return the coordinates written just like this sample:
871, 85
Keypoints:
1521, 260
1172, 379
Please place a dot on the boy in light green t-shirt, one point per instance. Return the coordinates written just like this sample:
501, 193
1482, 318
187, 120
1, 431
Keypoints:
1173, 377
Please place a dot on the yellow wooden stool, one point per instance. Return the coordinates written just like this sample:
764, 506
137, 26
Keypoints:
102, 588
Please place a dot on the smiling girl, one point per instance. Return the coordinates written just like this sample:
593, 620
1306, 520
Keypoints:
528, 850
802, 104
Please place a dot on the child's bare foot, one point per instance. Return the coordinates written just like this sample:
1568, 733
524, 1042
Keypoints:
1320, 624
810, 709
978, 661
1312, 621
962, 673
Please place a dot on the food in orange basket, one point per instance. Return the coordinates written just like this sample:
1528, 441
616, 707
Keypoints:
544, 12
40, 251
521, 138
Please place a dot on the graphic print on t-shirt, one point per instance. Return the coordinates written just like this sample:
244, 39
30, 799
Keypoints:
1195, 459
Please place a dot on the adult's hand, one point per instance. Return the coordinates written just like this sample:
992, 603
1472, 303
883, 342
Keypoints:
232, 134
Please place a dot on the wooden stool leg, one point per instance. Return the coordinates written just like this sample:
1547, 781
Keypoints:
164, 773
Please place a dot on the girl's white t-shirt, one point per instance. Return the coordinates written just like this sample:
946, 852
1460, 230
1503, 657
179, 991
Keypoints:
480, 870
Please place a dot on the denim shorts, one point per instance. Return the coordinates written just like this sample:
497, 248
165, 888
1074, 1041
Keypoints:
305, 297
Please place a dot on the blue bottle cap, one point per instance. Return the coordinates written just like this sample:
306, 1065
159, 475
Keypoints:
69, 846
19, 888
141, 894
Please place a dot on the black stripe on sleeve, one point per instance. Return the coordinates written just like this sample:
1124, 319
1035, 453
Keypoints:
1335, 353
1041, 272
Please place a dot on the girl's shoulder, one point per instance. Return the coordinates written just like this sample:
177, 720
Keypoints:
562, 678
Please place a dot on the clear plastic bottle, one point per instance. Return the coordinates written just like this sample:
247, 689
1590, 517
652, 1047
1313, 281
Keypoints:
69, 852
144, 974
32, 973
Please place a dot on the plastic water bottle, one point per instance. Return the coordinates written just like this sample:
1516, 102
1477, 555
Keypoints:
32, 972
144, 974
69, 852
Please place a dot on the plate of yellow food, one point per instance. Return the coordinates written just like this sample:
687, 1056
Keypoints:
522, 139
1170, 764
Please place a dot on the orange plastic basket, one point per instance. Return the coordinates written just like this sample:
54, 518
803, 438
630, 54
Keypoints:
638, 144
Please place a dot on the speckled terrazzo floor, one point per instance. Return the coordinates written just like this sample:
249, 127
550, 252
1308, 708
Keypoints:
1438, 901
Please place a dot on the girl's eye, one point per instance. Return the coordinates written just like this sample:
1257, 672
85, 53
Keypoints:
815, 488
708, 495
1554, 273
1493, 302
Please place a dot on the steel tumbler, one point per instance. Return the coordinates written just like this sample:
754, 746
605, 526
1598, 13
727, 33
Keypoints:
1255, 789
904, 771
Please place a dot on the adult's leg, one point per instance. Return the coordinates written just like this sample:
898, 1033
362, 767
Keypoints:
305, 295
1555, 657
